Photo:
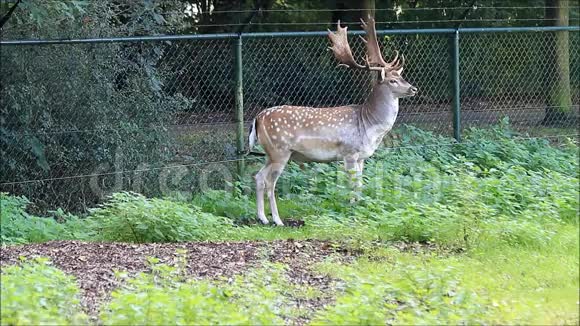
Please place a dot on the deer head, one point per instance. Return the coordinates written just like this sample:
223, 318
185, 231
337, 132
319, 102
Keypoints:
389, 72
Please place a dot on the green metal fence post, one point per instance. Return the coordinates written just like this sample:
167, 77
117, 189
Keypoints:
456, 88
239, 102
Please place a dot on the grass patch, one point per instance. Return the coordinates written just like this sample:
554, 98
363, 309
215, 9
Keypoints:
492, 286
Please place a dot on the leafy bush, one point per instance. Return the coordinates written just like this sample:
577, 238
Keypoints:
460, 196
517, 218
237, 207
166, 297
36, 293
456, 195
518, 232
20, 227
83, 109
134, 218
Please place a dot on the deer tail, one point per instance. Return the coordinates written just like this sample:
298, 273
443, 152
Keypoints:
253, 139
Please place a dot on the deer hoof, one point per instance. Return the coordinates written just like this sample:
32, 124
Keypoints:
278, 221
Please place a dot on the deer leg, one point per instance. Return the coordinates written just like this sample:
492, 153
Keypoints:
359, 176
273, 175
352, 169
260, 187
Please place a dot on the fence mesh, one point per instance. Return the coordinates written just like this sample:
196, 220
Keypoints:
82, 120
514, 75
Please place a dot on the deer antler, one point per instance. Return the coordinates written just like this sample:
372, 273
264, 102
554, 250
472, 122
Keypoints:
374, 56
397, 64
373, 61
341, 49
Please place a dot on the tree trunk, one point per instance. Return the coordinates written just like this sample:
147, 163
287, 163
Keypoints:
558, 100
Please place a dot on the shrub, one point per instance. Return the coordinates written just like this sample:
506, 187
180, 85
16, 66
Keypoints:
36, 293
501, 145
83, 109
20, 227
518, 232
452, 195
131, 217
223, 203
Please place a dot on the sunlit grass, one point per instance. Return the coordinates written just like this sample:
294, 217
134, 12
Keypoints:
502, 285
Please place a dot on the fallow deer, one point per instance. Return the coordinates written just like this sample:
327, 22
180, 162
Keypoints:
350, 133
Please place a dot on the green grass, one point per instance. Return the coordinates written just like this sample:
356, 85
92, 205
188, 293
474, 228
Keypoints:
500, 214
499, 285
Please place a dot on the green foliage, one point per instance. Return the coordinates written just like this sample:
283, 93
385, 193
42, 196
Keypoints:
494, 189
71, 110
426, 293
165, 297
502, 146
132, 217
20, 227
511, 210
238, 207
87, 109
35, 293
503, 285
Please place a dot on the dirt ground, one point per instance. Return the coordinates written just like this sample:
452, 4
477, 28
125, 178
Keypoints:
93, 263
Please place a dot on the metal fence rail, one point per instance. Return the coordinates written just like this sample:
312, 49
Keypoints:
84, 117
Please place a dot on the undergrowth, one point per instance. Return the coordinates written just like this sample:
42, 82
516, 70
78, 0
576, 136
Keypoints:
36, 293
493, 189
384, 285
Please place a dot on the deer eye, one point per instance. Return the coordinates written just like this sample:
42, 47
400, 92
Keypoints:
392, 81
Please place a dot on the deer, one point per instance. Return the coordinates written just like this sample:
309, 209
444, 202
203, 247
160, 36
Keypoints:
349, 133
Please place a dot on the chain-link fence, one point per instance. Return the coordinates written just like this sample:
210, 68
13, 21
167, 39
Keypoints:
158, 114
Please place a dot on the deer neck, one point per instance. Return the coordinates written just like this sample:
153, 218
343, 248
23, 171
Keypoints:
379, 112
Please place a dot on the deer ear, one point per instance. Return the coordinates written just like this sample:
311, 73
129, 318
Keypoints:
399, 71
